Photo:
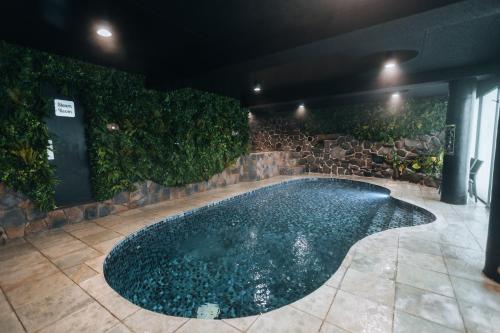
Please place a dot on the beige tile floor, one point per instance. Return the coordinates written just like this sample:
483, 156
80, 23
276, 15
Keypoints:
420, 279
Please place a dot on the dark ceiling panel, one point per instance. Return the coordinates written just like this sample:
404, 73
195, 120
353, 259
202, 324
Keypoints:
470, 39
412, 91
296, 48
175, 39
323, 67
446, 40
249, 29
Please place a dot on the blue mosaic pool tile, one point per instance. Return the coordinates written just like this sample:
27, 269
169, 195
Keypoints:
254, 252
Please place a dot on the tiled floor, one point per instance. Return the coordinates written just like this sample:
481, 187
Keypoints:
420, 279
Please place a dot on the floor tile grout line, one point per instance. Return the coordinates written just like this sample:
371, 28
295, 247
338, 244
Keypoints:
431, 209
395, 287
444, 243
351, 294
72, 252
432, 291
337, 292
183, 324
307, 313
489, 281
430, 321
323, 321
122, 321
85, 291
253, 323
428, 291
54, 322
228, 324
12, 308
456, 298
448, 276
245, 330
64, 231
473, 236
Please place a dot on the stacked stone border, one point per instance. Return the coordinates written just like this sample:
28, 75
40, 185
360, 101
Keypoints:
18, 215
339, 154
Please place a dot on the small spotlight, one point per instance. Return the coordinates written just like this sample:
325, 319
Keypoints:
301, 110
395, 95
112, 127
390, 65
104, 32
257, 89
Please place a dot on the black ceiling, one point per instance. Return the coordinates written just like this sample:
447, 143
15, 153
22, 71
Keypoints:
296, 49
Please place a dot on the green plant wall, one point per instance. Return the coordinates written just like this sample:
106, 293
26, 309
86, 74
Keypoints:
377, 121
381, 121
23, 137
172, 138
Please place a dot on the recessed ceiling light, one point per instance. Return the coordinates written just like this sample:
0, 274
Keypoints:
257, 89
390, 64
104, 32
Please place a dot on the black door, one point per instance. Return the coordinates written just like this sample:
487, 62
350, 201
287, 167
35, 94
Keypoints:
66, 126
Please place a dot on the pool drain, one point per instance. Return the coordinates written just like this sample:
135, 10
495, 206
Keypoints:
208, 311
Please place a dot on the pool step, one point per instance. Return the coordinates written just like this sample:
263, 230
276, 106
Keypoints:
382, 219
292, 166
292, 162
296, 155
291, 170
402, 217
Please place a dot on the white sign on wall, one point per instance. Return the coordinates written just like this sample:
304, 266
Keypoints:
64, 108
50, 151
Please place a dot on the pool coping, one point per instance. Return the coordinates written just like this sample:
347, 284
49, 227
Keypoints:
301, 314
172, 218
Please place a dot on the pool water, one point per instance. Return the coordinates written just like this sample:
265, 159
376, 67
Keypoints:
255, 252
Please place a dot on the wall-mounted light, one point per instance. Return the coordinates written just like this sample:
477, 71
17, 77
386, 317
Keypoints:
104, 32
301, 110
112, 127
395, 101
257, 89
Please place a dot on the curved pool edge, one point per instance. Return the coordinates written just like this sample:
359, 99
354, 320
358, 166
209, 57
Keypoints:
334, 280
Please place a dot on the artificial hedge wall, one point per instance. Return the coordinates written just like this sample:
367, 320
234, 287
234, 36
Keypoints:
172, 138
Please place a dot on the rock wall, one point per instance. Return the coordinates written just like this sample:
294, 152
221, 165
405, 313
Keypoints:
18, 216
339, 154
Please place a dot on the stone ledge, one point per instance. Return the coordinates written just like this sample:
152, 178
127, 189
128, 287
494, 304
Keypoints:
18, 216
339, 154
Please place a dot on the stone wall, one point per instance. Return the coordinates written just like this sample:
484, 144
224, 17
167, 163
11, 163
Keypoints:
339, 154
18, 216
